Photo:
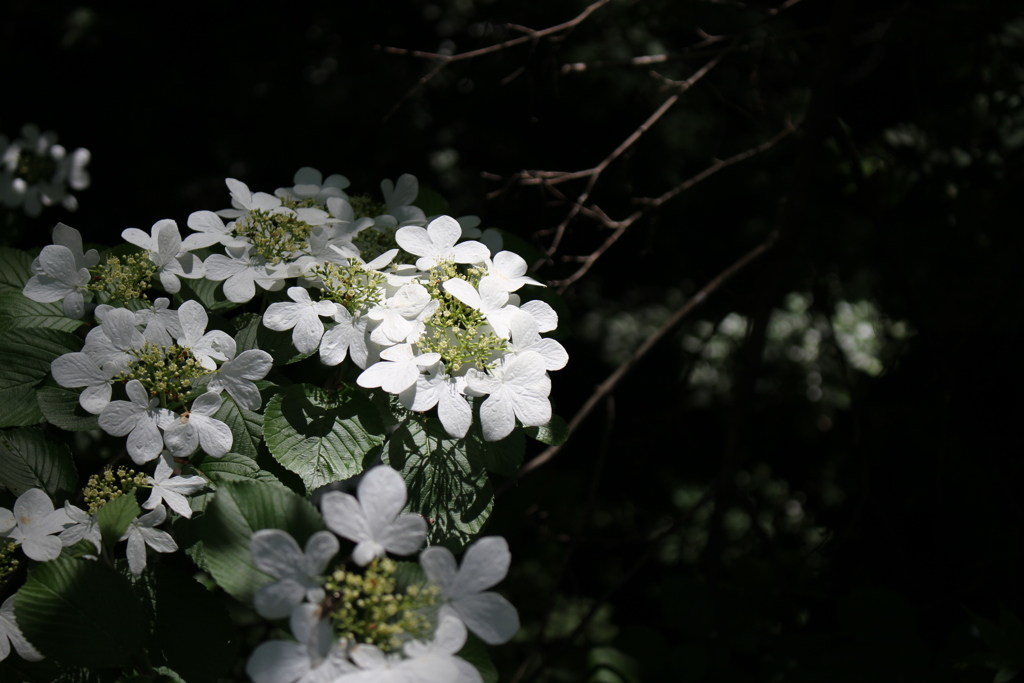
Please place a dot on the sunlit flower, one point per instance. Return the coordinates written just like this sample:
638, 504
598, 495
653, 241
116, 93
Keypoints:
437, 243
139, 418
169, 489
33, 524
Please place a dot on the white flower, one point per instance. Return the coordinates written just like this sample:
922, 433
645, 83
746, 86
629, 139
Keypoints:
509, 268
243, 200
437, 243
316, 658
141, 532
526, 337
348, 337
59, 277
441, 651
172, 490
242, 269
83, 525
491, 300
448, 394
310, 183
402, 315
161, 322
485, 563
343, 219
518, 388
399, 198
237, 375
302, 317
67, 236
139, 418
207, 347
545, 316
168, 252
210, 229
113, 344
184, 434
299, 573
10, 635
33, 524
398, 371
73, 370
373, 520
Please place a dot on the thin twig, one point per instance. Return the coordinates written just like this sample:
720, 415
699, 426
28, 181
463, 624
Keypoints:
609, 384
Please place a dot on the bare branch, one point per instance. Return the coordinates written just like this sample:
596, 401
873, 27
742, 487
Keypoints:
609, 384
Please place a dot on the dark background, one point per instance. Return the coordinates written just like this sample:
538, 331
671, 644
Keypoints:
816, 476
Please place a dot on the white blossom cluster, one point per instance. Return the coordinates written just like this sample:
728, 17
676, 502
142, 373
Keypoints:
42, 531
435, 332
459, 599
36, 172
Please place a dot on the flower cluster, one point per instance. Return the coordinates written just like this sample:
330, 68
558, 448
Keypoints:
359, 623
36, 172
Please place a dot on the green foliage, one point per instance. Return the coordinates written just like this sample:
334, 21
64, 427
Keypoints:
445, 486
253, 334
35, 458
238, 509
246, 426
64, 607
320, 435
554, 433
60, 407
114, 517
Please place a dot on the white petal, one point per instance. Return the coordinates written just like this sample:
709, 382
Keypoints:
489, 616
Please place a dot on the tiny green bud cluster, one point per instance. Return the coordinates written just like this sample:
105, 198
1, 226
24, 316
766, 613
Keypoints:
34, 168
274, 236
364, 206
366, 608
351, 286
110, 485
165, 371
454, 331
123, 281
8, 562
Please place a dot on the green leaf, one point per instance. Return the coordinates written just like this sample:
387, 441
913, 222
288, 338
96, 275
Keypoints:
320, 435
114, 517
81, 613
240, 508
554, 433
19, 407
26, 354
475, 652
178, 604
207, 292
254, 335
17, 311
501, 457
32, 458
61, 408
246, 426
231, 467
15, 269
453, 493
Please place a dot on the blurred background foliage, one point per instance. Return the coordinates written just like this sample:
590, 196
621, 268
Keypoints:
816, 475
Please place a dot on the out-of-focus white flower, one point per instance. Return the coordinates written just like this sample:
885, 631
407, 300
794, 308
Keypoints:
485, 563
139, 418
310, 184
172, 490
299, 573
301, 317
441, 651
10, 635
35, 171
34, 524
316, 658
399, 198
373, 520
141, 532
437, 243
59, 277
